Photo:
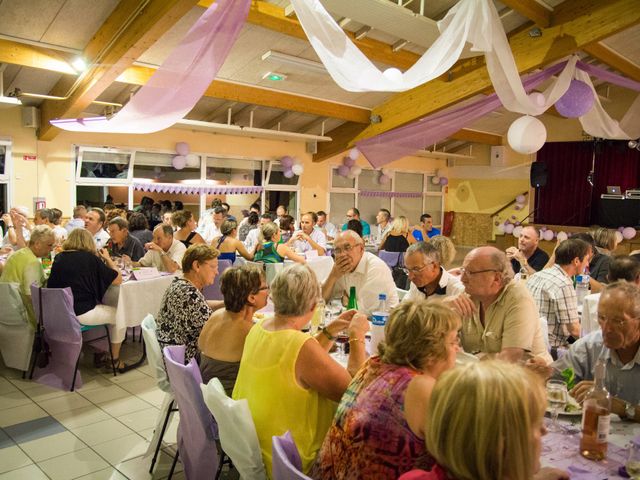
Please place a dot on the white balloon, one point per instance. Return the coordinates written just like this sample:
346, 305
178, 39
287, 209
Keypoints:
537, 98
193, 160
393, 74
354, 153
619, 236
517, 231
435, 180
386, 172
500, 228
297, 169
356, 170
562, 236
527, 135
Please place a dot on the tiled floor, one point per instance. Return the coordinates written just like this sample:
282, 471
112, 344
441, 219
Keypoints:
101, 431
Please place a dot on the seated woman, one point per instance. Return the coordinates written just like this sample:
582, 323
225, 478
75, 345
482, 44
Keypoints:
287, 227
287, 377
184, 310
221, 341
446, 248
139, 227
89, 273
378, 431
183, 219
485, 422
271, 249
250, 223
228, 243
398, 238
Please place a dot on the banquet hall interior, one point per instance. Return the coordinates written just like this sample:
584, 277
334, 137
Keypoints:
200, 103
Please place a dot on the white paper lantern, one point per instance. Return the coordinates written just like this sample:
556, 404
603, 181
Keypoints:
297, 169
527, 135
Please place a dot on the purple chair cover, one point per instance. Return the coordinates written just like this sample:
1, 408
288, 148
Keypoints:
63, 335
212, 292
286, 459
197, 431
392, 259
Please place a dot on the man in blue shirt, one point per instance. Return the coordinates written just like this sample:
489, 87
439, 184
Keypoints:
426, 227
354, 214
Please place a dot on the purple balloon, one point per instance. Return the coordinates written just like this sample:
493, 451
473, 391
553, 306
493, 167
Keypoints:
520, 199
444, 181
508, 228
288, 173
628, 233
179, 162
620, 229
286, 161
348, 161
343, 170
384, 180
576, 101
182, 148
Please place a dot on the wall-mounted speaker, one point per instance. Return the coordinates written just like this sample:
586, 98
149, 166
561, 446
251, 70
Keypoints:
538, 176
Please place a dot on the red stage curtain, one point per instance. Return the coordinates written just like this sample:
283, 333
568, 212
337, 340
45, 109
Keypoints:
568, 199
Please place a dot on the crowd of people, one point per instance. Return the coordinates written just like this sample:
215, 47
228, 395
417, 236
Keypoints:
404, 411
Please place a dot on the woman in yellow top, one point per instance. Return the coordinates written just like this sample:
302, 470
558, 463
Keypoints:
287, 376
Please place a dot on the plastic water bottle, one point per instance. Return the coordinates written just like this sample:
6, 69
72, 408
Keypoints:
379, 319
582, 287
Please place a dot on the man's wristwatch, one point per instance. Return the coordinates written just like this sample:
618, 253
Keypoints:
630, 411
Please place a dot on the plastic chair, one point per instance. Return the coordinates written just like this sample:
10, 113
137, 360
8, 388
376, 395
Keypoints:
16, 331
156, 361
286, 459
197, 431
237, 432
64, 336
401, 293
392, 259
544, 327
271, 270
212, 292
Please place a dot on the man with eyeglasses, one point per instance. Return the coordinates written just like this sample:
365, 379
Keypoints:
504, 320
552, 290
356, 268
428, 278
617, 342
354, 214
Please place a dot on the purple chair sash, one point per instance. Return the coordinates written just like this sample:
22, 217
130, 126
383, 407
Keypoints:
286, 459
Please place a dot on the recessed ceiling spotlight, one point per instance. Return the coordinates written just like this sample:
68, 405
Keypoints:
274, 76
78, 64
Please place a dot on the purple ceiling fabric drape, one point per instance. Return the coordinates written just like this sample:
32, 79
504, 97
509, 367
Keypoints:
181, 80
407, 140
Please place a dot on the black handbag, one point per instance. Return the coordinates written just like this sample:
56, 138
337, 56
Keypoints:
40, 345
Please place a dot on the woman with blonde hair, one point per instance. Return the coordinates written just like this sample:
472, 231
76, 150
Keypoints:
186, 233
485, 422
287, 377
398, 238
606, 242
89, 273
379, 428
446, 248
228, 243
271, 249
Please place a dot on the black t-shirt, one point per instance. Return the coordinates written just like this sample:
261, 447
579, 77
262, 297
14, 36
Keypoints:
395, 243
599, 267
131, 247
86, 275
537, 261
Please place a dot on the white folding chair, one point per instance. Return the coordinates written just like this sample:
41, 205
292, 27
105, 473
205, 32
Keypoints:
16, 331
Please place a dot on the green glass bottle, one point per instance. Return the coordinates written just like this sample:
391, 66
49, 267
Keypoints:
353, 300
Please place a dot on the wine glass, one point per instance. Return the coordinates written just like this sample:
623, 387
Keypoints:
557, 398
342, 339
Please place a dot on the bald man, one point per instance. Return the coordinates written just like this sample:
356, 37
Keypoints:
527, 255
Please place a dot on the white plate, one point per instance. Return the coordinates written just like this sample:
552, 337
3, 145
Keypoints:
573, 413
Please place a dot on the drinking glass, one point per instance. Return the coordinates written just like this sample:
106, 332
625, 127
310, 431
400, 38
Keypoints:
557, 398
318, 317
342, 340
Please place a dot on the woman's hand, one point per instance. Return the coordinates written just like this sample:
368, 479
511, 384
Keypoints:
104, 254
341, 323
359, 326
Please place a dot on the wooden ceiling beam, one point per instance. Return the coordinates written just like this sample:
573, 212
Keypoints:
577, 23
34, 57
609, 57
273, 17
532, 10
132, 27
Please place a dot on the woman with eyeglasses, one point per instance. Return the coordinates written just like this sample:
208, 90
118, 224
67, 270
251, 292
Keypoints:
287, 377
379, 428
221, 341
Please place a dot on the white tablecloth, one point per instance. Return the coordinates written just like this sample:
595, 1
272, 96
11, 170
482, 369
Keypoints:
135, 299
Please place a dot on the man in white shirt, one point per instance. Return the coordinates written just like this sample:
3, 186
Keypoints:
428, 278
165, 253
329, 229
16, 218
94, 222
356, 268
254, 235
383, 226
211, 230
79, 212
308, 238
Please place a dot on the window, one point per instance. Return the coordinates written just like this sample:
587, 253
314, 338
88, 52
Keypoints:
280, 190
234, 171
159, 166
103, 165
368, 180
340, 203
5, 175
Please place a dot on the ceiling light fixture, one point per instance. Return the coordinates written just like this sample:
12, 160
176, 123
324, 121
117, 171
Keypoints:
290, 60
79, 65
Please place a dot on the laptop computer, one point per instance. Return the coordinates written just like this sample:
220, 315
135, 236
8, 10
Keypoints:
613, 190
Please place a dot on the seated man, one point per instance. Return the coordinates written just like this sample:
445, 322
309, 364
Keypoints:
79, 212
554, 295
329, 229
425, 229
354, 214
618, 344
528, 254
308, 238
122, 243
24, 266
355, 267
428, 278
383, 224
94, 223
165, 253
211, 229
505, 320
